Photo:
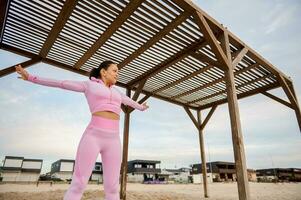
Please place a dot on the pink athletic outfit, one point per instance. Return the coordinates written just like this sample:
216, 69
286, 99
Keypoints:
101, 135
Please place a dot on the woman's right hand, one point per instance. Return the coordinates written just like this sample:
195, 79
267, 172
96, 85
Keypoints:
20, 70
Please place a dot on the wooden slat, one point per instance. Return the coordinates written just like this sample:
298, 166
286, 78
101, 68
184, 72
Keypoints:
242, 95
202, 70
4, 6
224, 91
180, 19
167, 63
212, 83
122, 17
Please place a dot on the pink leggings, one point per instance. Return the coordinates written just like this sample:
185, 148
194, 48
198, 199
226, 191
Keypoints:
101, 136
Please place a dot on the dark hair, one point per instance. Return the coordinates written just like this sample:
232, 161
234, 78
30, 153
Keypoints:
95, 72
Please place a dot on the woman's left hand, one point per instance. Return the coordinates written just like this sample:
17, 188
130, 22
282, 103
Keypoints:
145, 105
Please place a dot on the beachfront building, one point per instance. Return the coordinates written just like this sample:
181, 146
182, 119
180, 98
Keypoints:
181, 175
219, 171
279, 174
63, 169
140, 171
20, 169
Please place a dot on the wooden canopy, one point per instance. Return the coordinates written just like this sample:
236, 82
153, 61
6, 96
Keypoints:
167, 49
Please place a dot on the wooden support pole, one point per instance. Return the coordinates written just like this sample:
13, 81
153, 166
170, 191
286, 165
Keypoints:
237, 138
124, 164
197, 122
203, 157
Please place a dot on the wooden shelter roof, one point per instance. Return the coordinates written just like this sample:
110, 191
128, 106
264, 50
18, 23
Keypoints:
163, 46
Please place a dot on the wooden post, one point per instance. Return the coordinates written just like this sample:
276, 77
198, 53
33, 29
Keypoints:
237, 138
203, 157
198, 124
124, 165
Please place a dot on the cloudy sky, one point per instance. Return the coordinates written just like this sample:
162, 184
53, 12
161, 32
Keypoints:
47, 123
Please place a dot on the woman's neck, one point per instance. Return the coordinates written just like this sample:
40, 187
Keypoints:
106, 82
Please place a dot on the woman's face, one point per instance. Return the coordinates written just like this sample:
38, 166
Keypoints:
111, 74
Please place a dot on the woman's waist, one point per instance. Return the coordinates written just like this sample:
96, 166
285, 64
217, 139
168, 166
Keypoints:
104, 122
106, 114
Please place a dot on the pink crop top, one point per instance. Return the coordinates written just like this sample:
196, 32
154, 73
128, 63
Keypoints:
98, 95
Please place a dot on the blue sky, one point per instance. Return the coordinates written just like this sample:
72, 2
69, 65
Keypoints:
47, 123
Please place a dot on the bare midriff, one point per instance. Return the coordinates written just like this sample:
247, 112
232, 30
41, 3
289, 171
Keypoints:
107, 114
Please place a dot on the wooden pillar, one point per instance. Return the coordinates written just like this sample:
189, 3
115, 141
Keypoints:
203, 157
200, 126
124, 165
237, 138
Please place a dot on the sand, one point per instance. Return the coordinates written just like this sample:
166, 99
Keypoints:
217, 191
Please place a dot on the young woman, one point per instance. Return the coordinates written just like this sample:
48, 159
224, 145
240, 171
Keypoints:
102, 133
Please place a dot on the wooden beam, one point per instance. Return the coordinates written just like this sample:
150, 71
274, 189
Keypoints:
124, 164
25, 64
139, 89
297, 109
57, 27
239, 57
4, 6
277, 99
195, 122
208, 34
203, 157
117, 23
288, 91
203, 58
179, 19
203, 125
225, 44
140, 102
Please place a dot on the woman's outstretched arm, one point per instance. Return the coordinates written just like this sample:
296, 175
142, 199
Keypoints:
130, 102
77, 86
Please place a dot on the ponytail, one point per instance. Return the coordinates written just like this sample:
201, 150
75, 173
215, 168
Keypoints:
95, 72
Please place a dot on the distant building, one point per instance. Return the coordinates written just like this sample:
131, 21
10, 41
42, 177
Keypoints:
219, 171
181, 175
279, 174
64, 168
20, 169
140, 171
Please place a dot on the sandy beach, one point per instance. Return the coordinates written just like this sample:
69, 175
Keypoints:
217, 191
